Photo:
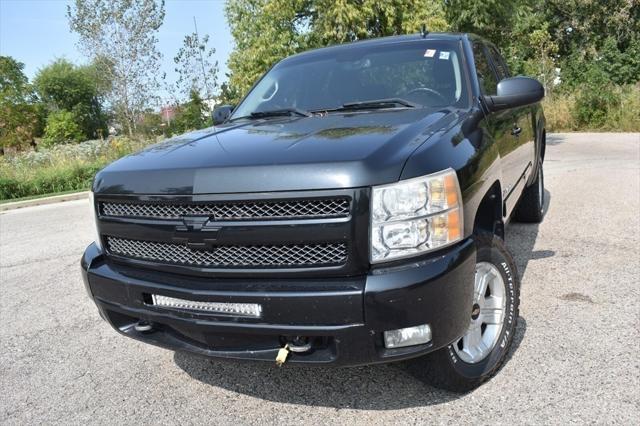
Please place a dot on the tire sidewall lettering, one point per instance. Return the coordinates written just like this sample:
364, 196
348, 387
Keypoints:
497, 258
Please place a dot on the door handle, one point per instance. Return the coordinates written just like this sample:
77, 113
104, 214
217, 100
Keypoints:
516, 131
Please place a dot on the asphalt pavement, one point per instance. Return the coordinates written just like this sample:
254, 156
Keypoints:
575, 357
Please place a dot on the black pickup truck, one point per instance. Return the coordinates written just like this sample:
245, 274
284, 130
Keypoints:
349, 210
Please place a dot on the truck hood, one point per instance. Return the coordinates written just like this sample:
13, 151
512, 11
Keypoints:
279, 154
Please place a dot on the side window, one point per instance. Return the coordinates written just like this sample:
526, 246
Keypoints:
498, 62
486, 76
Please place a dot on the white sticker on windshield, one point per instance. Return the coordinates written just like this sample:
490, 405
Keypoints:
444, 55
430, 53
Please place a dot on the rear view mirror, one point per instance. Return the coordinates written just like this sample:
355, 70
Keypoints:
514, 92
221, 113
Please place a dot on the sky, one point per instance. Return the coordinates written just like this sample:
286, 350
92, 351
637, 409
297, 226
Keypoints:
35, 32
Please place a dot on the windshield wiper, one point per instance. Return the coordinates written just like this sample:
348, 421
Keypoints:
274, 113
351, 106
380, 103
280, 112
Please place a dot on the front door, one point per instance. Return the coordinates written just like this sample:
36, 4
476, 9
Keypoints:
518, 150
500, 124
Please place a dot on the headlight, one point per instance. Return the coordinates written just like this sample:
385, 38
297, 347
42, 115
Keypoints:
415, 216
94, 220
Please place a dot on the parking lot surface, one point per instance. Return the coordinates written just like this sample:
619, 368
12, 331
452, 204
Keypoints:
574, 359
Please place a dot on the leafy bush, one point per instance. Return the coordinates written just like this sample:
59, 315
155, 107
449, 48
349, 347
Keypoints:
593, 106
151, 125
62, 127
595, 98
607, 108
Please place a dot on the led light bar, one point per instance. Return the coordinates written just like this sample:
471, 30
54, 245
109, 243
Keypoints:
238, 309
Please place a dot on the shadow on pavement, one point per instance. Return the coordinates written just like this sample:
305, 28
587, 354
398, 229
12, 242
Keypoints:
376, 387
521, 239
554, 139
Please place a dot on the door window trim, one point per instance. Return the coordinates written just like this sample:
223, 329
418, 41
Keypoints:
487, 57
495, 56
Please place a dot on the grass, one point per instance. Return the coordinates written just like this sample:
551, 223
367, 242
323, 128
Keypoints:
35, 197
62, 168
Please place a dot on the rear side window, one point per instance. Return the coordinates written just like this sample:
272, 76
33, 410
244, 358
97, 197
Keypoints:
486, 76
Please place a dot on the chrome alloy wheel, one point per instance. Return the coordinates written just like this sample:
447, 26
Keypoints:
487, 315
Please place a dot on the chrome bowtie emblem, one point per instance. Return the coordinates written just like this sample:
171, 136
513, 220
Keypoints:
196, 233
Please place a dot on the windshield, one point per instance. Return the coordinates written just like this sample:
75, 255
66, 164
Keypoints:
426, 74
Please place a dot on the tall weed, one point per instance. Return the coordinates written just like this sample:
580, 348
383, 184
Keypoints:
615, 108
60, 168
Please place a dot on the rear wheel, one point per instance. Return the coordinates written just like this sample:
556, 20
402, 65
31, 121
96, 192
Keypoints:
531, 206
481, 351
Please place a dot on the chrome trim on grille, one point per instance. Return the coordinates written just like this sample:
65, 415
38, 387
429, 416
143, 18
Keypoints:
233, 256
241, 210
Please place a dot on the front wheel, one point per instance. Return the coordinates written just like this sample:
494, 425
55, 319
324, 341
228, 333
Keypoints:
481, 351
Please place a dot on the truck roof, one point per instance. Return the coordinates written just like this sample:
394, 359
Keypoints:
381, 41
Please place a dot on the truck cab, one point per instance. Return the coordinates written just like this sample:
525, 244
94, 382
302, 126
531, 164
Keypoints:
349, 210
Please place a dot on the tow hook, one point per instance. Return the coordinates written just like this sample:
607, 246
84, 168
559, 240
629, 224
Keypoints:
298, 345
143, 327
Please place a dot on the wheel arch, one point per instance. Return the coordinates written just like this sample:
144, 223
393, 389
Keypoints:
489, 214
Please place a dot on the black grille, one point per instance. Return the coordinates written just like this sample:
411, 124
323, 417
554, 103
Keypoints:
234, 256
255, 210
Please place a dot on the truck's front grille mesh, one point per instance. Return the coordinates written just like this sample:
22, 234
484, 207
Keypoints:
233, 256
254, 210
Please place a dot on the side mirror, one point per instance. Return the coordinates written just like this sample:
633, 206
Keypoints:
514, 92
221, 113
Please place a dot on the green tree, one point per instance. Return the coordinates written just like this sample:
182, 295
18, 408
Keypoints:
541, 64
584, 25
489, 18
19, 114
65, 86
266, 31
192, 115
120, 36
602, 34
195, 67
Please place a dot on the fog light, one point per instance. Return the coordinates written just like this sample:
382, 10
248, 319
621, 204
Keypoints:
410, 336
238, 309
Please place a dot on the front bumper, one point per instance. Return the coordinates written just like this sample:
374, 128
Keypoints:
344, 318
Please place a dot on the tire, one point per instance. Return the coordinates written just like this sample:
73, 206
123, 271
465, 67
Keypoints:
446, 368
531, 206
